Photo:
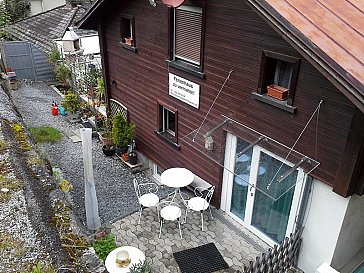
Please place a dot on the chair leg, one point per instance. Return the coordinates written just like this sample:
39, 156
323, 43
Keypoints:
140, 214
201, 221
160, 227
180, 230
157, 213
211, 213
185, 216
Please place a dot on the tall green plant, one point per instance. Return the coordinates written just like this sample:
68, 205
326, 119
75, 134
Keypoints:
18, 9
122, 131
71, 102
63, 73
54, 56
5, 19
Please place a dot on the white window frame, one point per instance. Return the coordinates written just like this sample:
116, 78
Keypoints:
165, 121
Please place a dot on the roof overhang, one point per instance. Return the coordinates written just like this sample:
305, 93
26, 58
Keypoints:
348, 85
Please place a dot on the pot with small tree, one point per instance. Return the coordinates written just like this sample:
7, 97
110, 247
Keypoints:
63, 76
105, 136
122, 134
72, 104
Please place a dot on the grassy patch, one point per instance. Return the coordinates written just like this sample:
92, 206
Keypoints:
45, 134
9, 243
21, 136
12, 184
3, 145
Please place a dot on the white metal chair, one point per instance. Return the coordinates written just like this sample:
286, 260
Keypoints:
169, 211
147, 197
200, 202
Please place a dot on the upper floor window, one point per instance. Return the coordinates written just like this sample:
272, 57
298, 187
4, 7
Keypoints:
187, 39
278, 76
127, 30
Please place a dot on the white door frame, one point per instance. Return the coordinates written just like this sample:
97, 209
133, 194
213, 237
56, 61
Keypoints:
227, 186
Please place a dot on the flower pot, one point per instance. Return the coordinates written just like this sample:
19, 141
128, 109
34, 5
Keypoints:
277, 92
121, 150
133, 158
129, 41
125, 156
108, 150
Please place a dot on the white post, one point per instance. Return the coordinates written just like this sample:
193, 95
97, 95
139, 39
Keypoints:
91, 205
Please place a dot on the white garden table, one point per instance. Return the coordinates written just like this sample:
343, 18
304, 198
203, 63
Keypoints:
177, 178
135, 254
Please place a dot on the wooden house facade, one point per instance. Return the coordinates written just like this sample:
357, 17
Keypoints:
219, 86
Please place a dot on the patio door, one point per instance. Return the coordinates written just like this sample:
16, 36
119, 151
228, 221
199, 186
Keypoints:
252, 195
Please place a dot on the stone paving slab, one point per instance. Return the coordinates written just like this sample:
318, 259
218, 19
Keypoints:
235, 249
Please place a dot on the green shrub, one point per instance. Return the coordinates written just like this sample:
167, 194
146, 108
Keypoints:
54, 56
142, 267
104, 245
45, 134
71, 102
122, 131
63, 73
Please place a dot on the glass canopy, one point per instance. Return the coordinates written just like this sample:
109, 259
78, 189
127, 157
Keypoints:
209, 139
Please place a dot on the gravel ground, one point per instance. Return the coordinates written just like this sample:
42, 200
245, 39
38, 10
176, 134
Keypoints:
113, 181
19, 241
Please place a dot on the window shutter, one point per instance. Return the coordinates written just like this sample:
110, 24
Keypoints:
188, 31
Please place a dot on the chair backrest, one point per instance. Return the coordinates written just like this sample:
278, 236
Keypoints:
209, 194
199, 192
164, 204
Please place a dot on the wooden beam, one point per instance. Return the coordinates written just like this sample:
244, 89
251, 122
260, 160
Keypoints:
350, 169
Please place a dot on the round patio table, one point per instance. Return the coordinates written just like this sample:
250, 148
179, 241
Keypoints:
135, 254
177, 178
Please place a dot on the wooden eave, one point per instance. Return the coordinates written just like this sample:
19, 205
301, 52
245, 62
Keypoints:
91, 18
352, 88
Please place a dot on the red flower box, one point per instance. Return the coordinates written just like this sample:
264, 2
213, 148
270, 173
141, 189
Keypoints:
277, 92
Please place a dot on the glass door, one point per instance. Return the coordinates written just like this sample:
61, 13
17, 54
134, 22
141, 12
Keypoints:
250, 184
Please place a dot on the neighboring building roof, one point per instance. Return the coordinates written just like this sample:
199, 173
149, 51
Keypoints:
329, 33
44, 28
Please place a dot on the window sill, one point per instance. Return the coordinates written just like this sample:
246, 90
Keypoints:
186, 67
128, 47
274, 102
169, 139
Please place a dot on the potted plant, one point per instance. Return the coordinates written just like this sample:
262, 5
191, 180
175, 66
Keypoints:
63, 75
105, 136
141, 267
72, 104
129, 41
108, 149
277, 92
132, 155
122, 133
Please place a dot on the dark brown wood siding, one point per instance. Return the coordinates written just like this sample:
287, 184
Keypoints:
235, 37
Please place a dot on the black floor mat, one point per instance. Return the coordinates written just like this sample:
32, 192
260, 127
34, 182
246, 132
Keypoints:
201, 259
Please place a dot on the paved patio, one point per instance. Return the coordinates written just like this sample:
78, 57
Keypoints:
236, 244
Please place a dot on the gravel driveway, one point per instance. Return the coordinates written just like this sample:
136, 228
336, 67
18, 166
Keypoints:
113, 181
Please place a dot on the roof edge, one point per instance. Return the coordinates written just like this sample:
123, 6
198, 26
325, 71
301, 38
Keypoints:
85, 22
351, 88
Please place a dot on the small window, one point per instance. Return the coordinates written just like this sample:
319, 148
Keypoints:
127, 32
186, 48
76, 44
278, 76
168, 123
